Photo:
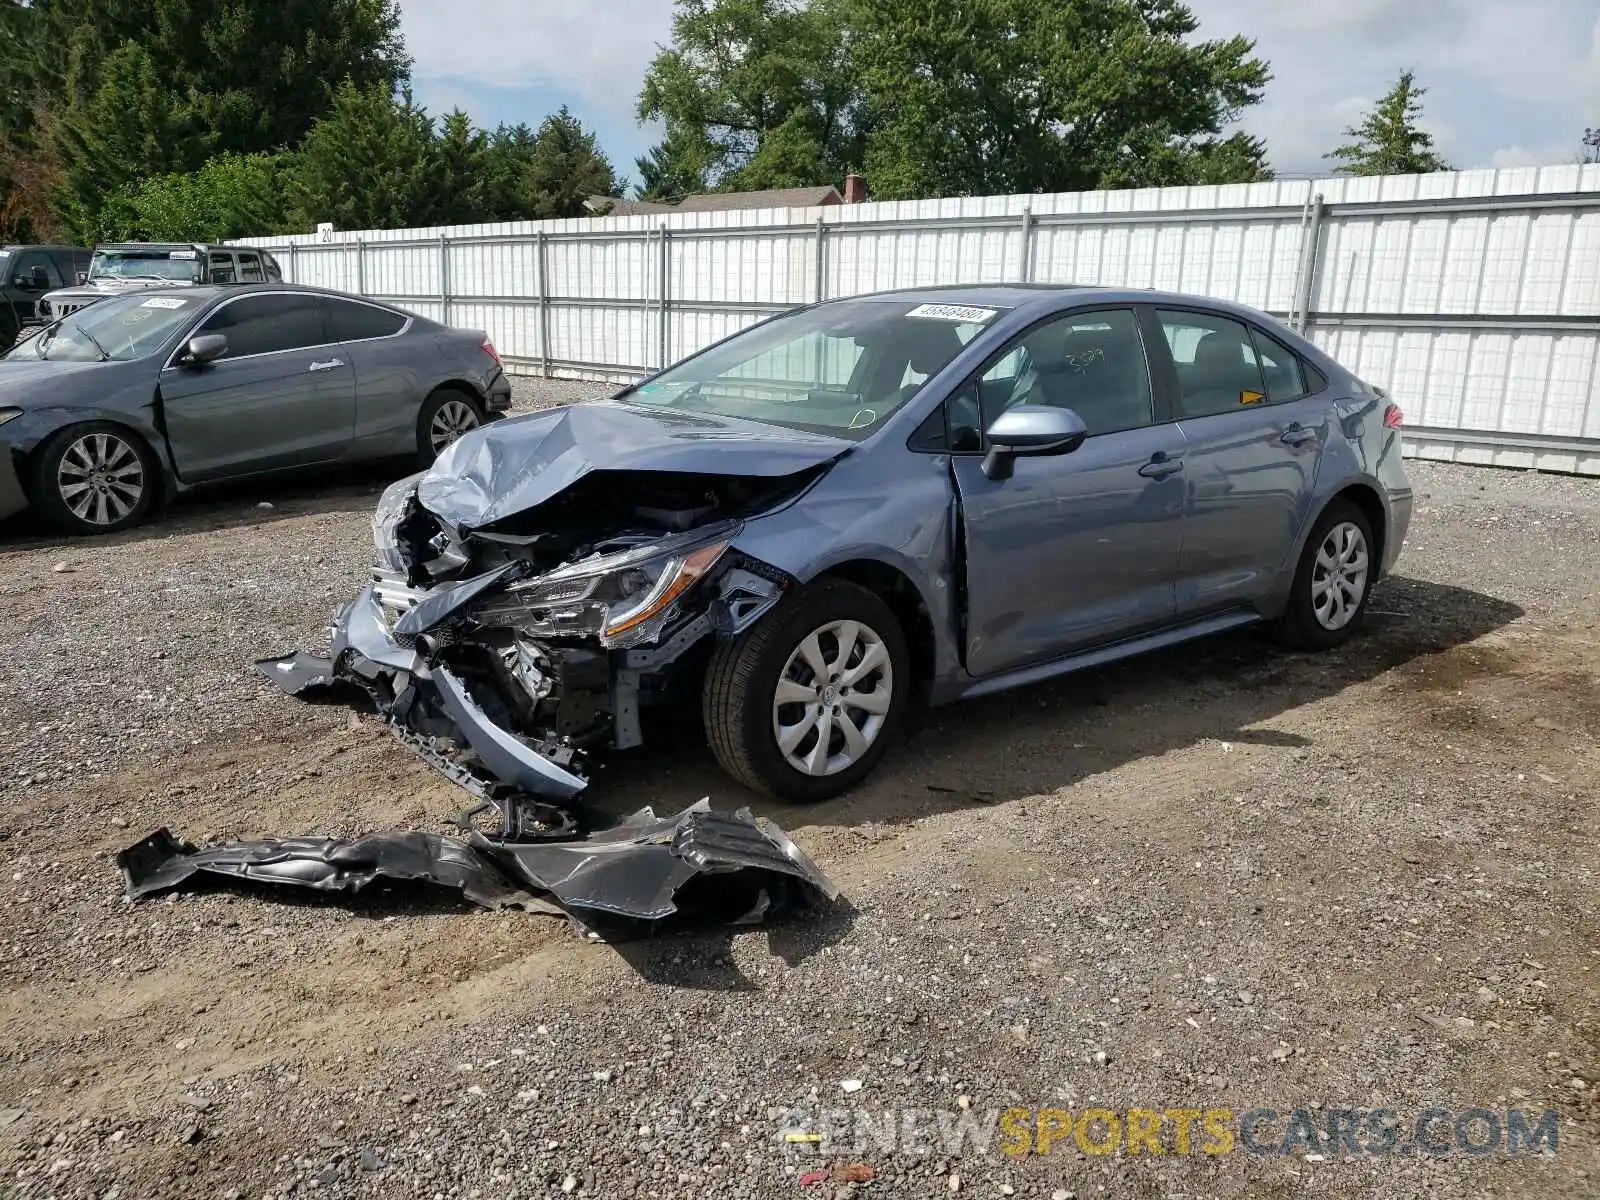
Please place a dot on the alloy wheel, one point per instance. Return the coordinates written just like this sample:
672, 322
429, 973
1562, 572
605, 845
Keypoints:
101, 479
1339, 578
454, 418
832, 698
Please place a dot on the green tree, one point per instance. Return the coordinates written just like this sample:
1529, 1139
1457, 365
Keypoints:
232, 195
679, 165
753, 94
260, 70
1388, 141
994, 96
194, 76
566, 167
129, 127
463, 154
371, 162
505, 166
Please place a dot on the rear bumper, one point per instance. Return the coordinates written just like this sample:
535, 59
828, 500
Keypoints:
1400, 506
499, 393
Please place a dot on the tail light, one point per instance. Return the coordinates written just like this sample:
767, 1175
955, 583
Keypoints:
1393, 418
488, 348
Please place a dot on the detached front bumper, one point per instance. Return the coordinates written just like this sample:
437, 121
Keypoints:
432, 709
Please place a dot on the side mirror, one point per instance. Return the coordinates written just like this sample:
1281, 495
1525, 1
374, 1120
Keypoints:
82, 278
22, 283
1031, 431
206, 348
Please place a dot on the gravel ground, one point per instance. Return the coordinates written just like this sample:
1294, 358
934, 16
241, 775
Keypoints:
1222, 877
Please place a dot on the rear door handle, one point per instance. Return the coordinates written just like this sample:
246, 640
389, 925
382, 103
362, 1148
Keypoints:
1160, 466
333, 364
1297, 435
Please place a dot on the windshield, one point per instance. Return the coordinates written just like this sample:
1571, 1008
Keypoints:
183, 265
840, 368
122, 328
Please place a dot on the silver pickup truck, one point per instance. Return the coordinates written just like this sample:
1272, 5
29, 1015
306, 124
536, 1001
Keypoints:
125, 267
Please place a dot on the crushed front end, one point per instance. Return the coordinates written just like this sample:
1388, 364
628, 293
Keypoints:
507, 655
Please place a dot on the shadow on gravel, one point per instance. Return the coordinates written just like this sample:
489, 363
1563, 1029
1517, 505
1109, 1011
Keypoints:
1039, 739
703, 960
352, 488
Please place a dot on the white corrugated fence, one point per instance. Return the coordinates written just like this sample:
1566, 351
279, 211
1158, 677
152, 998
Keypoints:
1473, 297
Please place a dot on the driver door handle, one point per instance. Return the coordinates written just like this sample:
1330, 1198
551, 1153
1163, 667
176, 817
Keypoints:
1160, 466
1297, 435
333, 364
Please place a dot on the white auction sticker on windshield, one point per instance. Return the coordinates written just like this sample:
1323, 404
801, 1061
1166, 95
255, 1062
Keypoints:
953, 312
163, 302
181, 254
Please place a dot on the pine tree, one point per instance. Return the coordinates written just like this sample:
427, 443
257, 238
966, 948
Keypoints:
129, 127
463, 155
505, 166
371, 163
565, 169
1388, 141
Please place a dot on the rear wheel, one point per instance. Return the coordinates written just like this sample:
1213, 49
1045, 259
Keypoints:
94, 478
805, 704
446, 416
1332, 582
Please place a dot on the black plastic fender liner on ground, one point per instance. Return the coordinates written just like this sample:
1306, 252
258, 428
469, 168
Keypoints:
162, 862
648, 873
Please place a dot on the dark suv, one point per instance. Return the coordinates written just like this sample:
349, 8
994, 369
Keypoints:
26, 274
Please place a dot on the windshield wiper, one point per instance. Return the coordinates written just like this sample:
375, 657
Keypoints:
104, 357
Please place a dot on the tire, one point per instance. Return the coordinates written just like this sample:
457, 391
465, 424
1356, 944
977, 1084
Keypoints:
1325, 609
76, 497
447, 414
743, 715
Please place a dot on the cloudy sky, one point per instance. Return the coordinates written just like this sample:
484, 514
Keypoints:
1510, 82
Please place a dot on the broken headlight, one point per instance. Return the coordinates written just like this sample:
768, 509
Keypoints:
622, 599
392, 507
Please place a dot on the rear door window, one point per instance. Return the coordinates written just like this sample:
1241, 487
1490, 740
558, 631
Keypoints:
222, 270
249, 267
1218, 368
1280, 369
267, 325
351, 322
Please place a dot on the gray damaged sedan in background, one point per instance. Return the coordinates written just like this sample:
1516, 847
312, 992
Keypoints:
118, 407
856, 507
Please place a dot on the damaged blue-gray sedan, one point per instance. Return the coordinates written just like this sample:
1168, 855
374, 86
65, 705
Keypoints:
861, 506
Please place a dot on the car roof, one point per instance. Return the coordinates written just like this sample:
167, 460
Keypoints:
996, 295
212, 291
1046, 297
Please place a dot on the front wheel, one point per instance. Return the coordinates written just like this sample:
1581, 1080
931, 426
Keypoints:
95, 478
445, 416
1332, 581
805, 704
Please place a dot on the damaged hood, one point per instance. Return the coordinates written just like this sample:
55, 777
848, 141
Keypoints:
511, 466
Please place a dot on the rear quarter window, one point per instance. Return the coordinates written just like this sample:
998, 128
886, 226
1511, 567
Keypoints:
350, 322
